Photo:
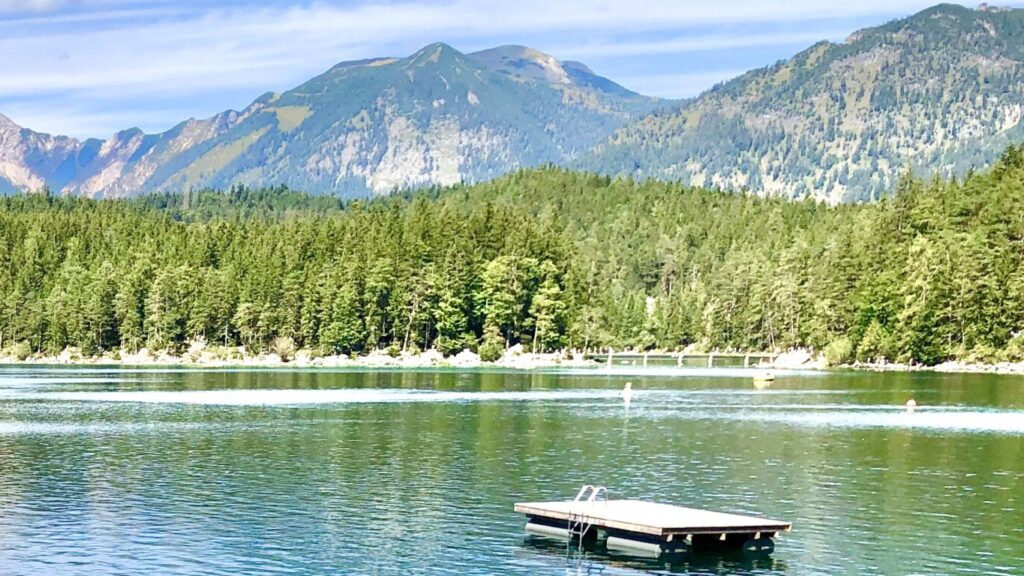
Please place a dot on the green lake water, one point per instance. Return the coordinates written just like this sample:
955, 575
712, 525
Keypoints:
170, 472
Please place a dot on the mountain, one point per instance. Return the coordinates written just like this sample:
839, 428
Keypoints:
939, 92
436, 117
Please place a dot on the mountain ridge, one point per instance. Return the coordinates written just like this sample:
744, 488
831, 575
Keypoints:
941, 91
437, 116
938, 92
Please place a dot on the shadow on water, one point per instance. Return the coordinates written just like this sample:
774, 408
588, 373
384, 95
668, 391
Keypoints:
594, 558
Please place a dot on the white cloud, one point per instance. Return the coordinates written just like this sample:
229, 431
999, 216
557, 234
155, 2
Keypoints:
28, 5
85, 123
111, 17
684, 44
43, 6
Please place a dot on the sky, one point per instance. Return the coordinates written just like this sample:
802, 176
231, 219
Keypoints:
89, 68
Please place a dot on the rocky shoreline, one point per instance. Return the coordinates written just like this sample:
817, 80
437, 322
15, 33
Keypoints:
950, 367
199, 356
238, 357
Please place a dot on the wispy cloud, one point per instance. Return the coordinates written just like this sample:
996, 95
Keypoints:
686, 44
28, 5
683, 85
152, 56
84, 122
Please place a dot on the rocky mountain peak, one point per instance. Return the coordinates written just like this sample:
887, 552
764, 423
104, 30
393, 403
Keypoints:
983, 7
6, 122
437, 116
523, 63
436, 53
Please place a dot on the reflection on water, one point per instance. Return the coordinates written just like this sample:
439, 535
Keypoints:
396, 472
729, 405
1011, 422
594, 559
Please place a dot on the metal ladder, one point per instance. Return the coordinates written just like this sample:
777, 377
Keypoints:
579, 523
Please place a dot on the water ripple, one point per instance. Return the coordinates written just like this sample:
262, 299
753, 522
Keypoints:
415, 473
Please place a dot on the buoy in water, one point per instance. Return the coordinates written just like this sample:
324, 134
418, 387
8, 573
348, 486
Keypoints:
763, 380
911, 405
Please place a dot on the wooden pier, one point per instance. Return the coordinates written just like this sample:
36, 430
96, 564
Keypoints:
648, 527
610, 357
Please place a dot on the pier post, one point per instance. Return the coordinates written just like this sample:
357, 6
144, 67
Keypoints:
610, 357
711, 360
645, 359
679, 360
746, 361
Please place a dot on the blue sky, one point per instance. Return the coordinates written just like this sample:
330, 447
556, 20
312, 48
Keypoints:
90, 67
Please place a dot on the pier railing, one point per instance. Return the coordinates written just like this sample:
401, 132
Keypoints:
610, 357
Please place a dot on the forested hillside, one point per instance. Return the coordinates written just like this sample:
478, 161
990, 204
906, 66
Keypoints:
939, 92
546, 257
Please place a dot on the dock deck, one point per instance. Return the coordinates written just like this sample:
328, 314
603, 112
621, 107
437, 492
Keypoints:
650, 526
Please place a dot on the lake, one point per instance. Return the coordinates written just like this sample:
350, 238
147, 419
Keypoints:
115, 471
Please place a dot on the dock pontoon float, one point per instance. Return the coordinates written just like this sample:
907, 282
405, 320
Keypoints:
647, 527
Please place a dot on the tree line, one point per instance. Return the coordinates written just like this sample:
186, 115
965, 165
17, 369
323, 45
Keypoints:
545, 258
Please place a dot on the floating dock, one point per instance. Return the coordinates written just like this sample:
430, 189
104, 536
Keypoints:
648, 527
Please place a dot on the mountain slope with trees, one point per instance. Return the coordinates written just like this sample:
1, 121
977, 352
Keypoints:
939, 93
545, 257
436, 117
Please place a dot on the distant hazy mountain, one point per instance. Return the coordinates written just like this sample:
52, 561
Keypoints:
436, 117
941, 91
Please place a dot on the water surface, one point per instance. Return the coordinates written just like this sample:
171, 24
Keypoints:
111, 471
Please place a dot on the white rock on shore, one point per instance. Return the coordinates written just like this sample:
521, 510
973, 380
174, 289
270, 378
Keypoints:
465, 359
997, 368
200, 355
